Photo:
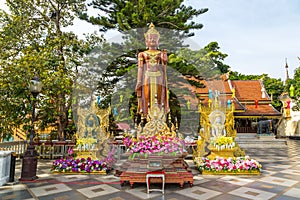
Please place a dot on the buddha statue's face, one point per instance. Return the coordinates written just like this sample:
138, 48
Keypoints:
152, 40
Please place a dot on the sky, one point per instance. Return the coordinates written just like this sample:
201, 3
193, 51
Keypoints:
257, 35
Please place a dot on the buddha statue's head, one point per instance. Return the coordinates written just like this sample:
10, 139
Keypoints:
152, 37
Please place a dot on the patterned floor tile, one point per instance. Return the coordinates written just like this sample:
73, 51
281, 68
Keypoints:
108, 178
297, 186
199, 193
291, 171
97, 191
5, 189
141, 192
219, 186
227, 197
268, 172
268, 187
199, 180
49, 189
287, 176
236, 180
15, 194
282, 166
296, 167
278, 181
294, 192
71, 177
117, 196
252, 193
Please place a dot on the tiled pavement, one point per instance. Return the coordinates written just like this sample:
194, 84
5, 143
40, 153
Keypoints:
280, 179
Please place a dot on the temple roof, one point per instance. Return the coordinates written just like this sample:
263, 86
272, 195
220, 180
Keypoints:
249, 90
246, 92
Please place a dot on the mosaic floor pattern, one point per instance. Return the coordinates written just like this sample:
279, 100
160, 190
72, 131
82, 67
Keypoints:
280, 179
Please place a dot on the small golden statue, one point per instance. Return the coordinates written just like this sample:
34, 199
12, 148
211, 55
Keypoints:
93, 135
156, 124
215, 123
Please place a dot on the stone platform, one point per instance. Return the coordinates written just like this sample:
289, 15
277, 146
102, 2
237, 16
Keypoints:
252, 140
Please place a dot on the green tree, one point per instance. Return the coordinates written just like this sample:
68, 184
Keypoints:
217, 57
274, 87
33, 40
127, 15
295, 82
206, 62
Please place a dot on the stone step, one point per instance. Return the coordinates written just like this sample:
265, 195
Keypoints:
246, 135
260, 141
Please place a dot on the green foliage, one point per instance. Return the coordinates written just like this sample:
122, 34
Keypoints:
274, 87
32, 41
179, 63
206, 62
295, 82
126, 15
217, 57
239, 76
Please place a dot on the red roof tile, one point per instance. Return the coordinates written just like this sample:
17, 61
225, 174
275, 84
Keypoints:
248, 90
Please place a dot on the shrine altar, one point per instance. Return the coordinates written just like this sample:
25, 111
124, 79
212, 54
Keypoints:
179, 177
174, 169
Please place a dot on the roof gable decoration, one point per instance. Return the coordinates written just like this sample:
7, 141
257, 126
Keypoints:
263, 93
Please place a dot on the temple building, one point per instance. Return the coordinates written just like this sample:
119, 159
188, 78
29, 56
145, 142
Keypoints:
249, 97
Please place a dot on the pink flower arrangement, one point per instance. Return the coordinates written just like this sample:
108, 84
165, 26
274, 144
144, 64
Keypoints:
238, 164
154, 144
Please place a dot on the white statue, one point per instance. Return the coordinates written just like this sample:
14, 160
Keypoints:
217, 121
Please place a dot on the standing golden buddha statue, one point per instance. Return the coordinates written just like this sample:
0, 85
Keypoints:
151, 85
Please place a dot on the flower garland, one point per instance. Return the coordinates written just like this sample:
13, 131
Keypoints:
238, 164
154, 144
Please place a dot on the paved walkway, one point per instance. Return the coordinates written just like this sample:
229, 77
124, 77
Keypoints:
280, 179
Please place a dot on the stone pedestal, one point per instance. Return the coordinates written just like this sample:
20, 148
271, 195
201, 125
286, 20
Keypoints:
29, 165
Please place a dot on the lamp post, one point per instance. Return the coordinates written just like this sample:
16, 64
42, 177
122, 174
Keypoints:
29, 162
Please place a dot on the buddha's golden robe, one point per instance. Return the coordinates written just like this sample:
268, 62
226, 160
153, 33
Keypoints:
152, 81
